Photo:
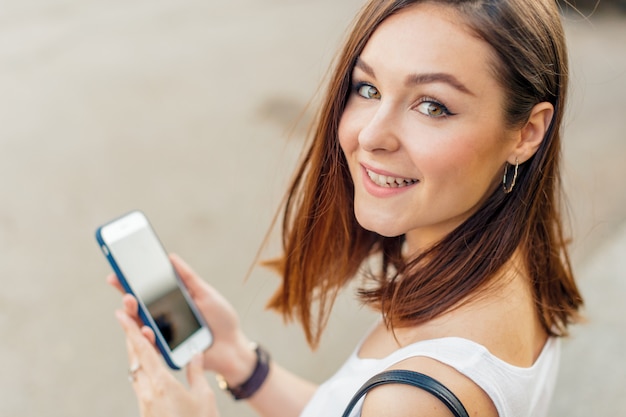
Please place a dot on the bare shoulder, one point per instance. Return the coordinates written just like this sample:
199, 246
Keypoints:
399, 400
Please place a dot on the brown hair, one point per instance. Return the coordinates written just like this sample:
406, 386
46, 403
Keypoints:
324, 246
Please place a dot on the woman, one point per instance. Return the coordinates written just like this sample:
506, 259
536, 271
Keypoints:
435, 153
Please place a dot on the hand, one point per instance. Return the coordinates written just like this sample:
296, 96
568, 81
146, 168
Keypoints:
230, 354
158, 392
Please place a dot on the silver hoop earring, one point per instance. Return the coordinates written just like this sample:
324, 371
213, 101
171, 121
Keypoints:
510, 187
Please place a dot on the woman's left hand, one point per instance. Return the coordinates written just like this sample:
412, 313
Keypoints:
158, 392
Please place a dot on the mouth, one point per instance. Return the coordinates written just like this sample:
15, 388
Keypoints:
389, 182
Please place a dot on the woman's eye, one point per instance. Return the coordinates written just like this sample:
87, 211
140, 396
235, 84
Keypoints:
367, 91
433, 109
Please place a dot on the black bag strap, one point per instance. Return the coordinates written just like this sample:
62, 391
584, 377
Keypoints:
416, 379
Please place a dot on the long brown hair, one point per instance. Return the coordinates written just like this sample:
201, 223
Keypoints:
324, 246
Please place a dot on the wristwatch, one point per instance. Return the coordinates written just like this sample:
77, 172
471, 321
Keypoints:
248, 388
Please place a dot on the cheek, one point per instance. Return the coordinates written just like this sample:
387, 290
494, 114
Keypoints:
347, 134
458, 161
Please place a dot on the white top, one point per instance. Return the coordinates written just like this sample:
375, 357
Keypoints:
515, 391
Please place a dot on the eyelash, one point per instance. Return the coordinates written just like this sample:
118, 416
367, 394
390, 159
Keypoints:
431, 100
356, 87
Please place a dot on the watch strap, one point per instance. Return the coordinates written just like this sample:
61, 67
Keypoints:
248, 388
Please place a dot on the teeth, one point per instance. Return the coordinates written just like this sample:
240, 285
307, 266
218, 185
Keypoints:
390, 182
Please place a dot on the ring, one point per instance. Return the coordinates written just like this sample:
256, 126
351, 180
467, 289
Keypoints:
134, 368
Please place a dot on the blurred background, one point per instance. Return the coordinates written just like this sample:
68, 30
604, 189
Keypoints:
195, 112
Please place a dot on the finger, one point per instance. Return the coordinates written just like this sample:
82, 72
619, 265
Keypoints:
141, 383
140, 349
142, 357
191, 280
131, 307
134, 364
203, 294
114, 281
149, 334
194, 284
140, 380
195, 376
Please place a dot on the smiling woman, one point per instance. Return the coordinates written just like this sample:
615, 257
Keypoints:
430, 105
407, 130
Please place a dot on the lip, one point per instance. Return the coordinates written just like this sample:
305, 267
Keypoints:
382, 191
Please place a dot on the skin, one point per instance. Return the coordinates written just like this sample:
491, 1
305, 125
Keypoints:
454, 156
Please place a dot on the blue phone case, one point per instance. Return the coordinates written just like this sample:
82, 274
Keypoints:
142, 313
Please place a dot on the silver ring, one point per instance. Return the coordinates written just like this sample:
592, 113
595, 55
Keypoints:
132, 371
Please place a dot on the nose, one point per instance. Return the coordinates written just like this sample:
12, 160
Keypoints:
380, 131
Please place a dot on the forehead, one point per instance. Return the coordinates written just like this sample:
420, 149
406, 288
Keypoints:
429, 37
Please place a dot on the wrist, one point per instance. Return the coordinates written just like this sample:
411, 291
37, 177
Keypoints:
240, 364
248, 387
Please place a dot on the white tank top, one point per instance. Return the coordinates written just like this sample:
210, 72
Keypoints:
515, 391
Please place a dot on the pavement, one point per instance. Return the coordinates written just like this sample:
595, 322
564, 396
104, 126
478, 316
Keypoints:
188, 110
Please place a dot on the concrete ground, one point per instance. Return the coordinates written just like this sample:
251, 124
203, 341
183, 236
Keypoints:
186, 109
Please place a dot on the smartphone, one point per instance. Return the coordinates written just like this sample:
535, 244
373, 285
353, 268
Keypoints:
143, 267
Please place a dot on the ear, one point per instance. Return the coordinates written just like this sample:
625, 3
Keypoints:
533, 133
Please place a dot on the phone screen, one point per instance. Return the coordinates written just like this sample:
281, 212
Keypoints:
147, 269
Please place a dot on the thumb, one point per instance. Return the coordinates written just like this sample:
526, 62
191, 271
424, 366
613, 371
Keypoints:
204, 295
195, 376
186, 274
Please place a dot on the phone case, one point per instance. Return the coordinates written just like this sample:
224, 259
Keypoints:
143, 315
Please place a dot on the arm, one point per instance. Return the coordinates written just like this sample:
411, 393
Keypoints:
283, 394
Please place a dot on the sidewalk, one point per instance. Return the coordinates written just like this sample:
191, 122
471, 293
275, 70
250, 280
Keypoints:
592, 379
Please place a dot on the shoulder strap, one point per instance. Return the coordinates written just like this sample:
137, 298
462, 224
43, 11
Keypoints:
415, 379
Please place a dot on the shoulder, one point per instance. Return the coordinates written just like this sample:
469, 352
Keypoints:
400, 400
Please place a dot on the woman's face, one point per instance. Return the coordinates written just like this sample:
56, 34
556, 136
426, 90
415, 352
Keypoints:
423, 130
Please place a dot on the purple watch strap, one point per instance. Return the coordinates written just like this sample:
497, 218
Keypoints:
252, 385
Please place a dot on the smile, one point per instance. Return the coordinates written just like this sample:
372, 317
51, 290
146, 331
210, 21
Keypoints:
389, 182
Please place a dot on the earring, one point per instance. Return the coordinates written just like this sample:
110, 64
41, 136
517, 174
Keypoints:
510, 187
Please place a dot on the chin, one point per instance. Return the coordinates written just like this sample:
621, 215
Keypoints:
379, 226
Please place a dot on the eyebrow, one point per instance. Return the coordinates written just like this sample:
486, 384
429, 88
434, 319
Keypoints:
418, 79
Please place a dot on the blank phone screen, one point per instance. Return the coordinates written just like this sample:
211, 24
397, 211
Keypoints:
148, 271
